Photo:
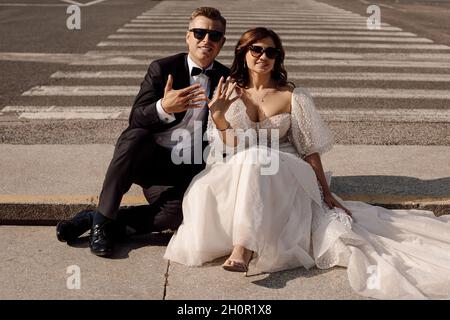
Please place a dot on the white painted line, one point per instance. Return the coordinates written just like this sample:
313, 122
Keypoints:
285, 34
99, 75
379, 93
369, 63
287, 20
386, 115
275, 26
83, 4
292, 62
75, 112
32, 5
71, 115
378, 4
290, 55
370, 76
366, 76
303, 13
281, 30
181, 46
325, 92
84, 109
112, 61
328, 114
246, 15
361, 63
289, 38
288, 63
82, 91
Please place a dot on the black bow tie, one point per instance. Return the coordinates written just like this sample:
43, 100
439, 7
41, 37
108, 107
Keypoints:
196, 71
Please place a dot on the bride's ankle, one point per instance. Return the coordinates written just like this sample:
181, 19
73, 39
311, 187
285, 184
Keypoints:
241, 252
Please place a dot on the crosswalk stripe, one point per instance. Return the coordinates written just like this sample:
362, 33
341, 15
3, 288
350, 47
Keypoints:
82, 91
270, 25
86, 109
386, 115
379, 93
276, 14
241, 29
370, 76
289, 38
291, 55
326, 92
285, 34
288, 63
259, 17
328, 114
99, 75
294, 45
75, 112
259, 20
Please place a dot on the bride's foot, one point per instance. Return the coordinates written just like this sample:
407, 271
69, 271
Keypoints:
238, 260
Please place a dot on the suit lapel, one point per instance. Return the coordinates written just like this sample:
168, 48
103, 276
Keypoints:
214, 81
184, 81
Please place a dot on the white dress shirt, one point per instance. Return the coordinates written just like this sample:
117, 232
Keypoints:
165, 139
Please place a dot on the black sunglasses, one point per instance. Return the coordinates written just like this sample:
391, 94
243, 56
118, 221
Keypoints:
258, 51
214, 36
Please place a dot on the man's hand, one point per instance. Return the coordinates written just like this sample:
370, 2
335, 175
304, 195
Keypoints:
180, 100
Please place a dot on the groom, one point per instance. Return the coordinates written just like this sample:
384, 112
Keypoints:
173, 95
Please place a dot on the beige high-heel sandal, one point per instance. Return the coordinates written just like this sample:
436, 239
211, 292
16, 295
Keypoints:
234, 265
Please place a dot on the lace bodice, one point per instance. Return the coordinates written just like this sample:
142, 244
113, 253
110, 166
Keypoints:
302, 127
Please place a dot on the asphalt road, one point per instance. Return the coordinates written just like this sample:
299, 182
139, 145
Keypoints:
42, 29
412, 65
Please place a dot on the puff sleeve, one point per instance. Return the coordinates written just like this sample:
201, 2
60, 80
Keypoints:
309, 133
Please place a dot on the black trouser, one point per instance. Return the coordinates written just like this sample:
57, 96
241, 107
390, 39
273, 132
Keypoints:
138, 159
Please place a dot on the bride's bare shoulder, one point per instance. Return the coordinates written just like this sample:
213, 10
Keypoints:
286, 89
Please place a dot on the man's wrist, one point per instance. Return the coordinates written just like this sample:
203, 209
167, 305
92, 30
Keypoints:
163, 114
162, 106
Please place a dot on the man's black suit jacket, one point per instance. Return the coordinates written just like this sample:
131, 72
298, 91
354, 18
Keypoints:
144, 113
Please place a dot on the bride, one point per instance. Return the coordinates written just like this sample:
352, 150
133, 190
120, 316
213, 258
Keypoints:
283, 215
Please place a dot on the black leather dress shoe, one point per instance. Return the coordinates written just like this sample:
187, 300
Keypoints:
170, 216
69, 230
101, 239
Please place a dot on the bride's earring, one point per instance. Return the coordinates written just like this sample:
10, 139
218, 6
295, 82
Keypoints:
245, 64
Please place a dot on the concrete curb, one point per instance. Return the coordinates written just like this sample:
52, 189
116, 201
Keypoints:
45, 210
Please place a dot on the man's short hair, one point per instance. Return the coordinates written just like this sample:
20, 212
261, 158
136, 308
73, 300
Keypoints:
210, 13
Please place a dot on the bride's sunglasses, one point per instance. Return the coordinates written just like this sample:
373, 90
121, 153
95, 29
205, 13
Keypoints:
200, 34
258, 51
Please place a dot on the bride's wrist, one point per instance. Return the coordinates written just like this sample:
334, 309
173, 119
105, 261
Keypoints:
221, 123
327, 193
222, 127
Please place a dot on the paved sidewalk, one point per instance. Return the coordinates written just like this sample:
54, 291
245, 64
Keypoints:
34, 266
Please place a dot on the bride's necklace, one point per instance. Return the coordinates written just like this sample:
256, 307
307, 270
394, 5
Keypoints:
263, 97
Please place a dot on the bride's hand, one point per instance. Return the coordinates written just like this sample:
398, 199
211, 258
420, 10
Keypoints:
221, 100
332, 202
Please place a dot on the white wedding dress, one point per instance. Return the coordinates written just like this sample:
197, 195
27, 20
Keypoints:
389, 254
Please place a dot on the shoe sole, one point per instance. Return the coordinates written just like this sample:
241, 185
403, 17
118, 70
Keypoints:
58, 234
102, 254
